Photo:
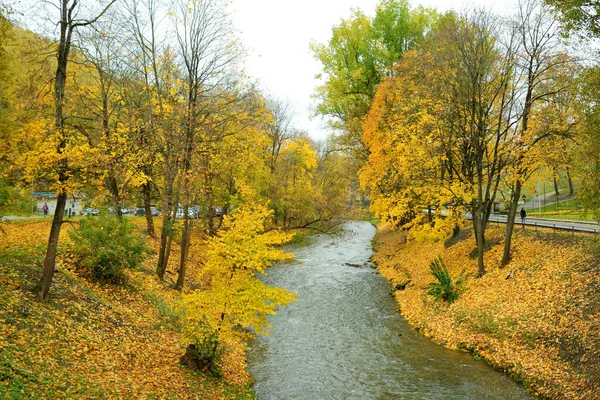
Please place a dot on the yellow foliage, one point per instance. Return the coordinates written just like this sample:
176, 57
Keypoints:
234, 297
93, 340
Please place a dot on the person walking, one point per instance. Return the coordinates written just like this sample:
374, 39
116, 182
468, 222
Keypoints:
45, 209
523, 216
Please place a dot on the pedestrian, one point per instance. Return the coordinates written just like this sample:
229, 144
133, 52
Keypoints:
523, 216
45, 209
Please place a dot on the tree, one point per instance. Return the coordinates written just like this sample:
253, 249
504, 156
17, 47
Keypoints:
447, 129
578, 14
294, 195
68, 22
359, 54
107, 124
156, 78
234, 296
587, 154
279, 128
542, 71
207, 56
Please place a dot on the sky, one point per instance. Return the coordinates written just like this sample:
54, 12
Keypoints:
278, 33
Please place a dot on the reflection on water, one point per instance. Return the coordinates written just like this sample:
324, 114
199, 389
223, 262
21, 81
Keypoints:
344, 339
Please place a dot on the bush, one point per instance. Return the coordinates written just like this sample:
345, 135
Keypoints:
206, 352
107, 246
444, 289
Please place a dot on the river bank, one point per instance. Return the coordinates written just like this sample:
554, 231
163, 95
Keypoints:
537, 319
95, 339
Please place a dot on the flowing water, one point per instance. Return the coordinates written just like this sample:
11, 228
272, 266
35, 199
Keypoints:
344, 339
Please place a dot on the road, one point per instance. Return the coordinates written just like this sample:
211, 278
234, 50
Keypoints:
551, 223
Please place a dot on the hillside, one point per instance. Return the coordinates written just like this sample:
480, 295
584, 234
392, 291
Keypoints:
93, 339
541, 324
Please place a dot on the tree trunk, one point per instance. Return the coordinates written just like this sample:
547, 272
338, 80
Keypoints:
510, 222
571, 190
64, 46
163, 254
166, 231
114, 191
146, 187
555, 185
50, 260
479, 228
185, 245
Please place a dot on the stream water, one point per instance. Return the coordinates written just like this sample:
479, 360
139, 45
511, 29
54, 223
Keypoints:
344, 339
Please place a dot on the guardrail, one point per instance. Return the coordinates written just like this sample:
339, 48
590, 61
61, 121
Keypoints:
554, 225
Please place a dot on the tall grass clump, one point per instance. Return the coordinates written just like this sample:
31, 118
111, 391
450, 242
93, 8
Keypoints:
444, 289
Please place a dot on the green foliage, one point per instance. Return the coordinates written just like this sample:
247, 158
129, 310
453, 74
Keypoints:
107, 246
14, 200
359, 54
444, 288
578, 14
588, 152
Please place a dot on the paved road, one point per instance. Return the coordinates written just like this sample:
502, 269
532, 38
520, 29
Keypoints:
551, 223
545, 199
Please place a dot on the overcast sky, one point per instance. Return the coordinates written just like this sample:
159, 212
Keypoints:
278, 34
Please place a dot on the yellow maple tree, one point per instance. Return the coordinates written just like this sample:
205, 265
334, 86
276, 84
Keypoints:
234, 297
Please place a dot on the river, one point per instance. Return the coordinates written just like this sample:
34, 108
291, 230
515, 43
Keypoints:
344, 339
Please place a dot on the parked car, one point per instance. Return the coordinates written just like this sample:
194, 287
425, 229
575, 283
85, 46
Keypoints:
191, 213
141, 211
90, 211
195, 212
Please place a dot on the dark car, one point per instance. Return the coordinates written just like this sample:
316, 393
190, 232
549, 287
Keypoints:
141, 211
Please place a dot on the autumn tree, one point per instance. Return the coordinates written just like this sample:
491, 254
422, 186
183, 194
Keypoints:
294, 194
235, 303
582, 17
441, 138
279, 127
105, 121
153, 96
207, 53
359, 54
404, 173
543, 71
68, 22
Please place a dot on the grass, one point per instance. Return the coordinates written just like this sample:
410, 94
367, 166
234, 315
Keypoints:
566, 210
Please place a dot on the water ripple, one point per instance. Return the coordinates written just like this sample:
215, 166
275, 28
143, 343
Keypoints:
343, 339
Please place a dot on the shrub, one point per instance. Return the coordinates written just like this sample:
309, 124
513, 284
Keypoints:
107, 246
206, 352
443, 289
